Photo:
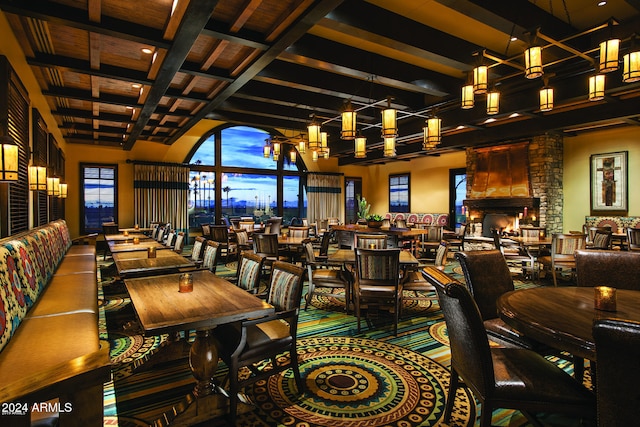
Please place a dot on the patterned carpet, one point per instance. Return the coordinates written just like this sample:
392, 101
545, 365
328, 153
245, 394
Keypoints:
371, 378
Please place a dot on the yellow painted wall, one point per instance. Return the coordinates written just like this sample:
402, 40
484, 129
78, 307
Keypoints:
577, 152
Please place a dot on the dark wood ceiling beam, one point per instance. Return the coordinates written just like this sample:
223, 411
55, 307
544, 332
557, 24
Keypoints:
255, 120
244, 37
86, 95
191, 96
193, 69
86, 114
101, 140
292, 34
86, 127
59, 13
84, 67
195, 18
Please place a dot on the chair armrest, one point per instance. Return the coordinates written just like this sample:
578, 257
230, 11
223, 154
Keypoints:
280, 315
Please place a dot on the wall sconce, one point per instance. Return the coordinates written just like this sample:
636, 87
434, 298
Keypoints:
431, 133
467, 96
8, 159
389, 125
493, 102
53, 186
389, 146
63, 191
609, 55
314, 156
302, 146
360, 147
546, 98
37, 178
533, 62
596, 87
348, 122
314, 134
631, 67
480, 79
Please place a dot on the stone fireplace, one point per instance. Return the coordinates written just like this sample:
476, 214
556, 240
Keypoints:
516, 184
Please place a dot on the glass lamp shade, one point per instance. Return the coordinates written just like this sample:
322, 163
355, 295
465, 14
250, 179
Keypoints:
480, 79
467, 97
389, 147
37, 178
360, 147
276, 148
493, 102
348, 124
266, 151
533, 62
631, 67
63, 191
596, 87
431, 133
546, 99
609, 55
8, 159
314, 156
326, 153
302, 146
293, 156
389, 126
314, 136
53, 186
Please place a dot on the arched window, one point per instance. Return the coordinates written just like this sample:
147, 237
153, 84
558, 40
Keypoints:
231, 177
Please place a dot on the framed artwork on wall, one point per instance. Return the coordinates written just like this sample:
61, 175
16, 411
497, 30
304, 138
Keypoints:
609, 185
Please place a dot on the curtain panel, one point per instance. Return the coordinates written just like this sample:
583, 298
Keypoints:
323, 196
161, 195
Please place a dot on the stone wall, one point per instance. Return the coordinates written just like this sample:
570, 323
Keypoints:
545, 176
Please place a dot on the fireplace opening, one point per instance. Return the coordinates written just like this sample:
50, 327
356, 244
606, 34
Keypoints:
504, 223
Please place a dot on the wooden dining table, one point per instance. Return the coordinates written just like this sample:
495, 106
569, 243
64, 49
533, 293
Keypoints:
138, 263
162, 309
562, 318
129, 246
121, 237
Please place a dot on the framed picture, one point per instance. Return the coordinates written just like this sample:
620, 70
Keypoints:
609, 187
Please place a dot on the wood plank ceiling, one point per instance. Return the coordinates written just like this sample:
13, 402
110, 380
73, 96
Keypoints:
118, 71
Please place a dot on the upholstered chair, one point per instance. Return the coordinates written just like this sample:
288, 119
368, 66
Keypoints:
633, 239
179, 242
414, 284
322, 274
248, 272
365, 240
197, 250
515, 255
617, 269
599, 238
211, 256
220, 234
563, 248
206, 230
499, 377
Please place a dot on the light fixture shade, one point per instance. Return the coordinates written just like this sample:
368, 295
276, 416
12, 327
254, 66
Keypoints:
326, 153
596, 87
314, 156
389, 146
266, 150
276, 148
546, 98
467, 97
37, 178
8, 159
360, 149
480, 79
302, 146
389, 126
493, 102
631, 67
293, 155
431, 133
533, 62
348, 123
609, 55
63, 191
53, 186
314, 135
324, 143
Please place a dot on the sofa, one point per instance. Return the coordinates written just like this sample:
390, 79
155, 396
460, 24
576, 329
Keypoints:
50, 348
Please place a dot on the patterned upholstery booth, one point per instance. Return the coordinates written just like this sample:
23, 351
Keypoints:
49, 341
419, 218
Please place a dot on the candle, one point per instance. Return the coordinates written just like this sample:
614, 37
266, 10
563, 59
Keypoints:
136, 240
126, 233
185, 283
525, 211
533, 217
372, 245
137, 227
605, 298
520, 215
151, 252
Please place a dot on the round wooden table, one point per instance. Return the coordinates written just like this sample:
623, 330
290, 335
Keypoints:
563, 317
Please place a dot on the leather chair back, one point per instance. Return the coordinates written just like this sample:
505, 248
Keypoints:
617, 269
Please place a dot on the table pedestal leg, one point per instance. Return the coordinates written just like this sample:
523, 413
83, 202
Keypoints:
203, 360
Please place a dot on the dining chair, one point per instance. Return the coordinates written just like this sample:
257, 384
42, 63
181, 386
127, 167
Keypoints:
370, 241
401, 223
273, 225
170, 241
563, 248
633, 239
179, 242
599, 238
266, 246
248, 272
211, 256
458, 241
220, 234
107, 229
323, 274
294, 253
322, 225
429, 242
617, 377
377, 281
247, 225
499, 377
331, 221
616, 269
206, 230
242, 243
197, 250
248, 343
414, 284
516, 255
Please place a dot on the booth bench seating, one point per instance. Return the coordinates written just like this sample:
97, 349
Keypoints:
49, 343
419, 218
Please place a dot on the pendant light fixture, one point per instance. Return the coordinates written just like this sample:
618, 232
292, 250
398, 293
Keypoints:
533, 62
8, 159
389, 147
596, 87
313, 130
360, 149
348, 122
266, 150
493, 102
480, 79
314, 156
609, 52
631, 63
326, 153
324, 142
276, 150
546, 98
293, 156
302, 146
389, 122
432, 135
37, 178
467, 96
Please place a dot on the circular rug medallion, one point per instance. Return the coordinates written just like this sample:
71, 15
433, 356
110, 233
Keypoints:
356, 381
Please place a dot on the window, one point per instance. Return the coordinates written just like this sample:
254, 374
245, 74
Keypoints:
99, 196
457, 194
399, 190
352, 188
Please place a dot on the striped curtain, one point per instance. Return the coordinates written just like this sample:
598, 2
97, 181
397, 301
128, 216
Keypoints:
161, 194
323, 196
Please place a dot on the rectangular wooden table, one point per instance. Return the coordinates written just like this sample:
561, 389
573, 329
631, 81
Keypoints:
128, 246
160, 308
138, 263
122, 238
